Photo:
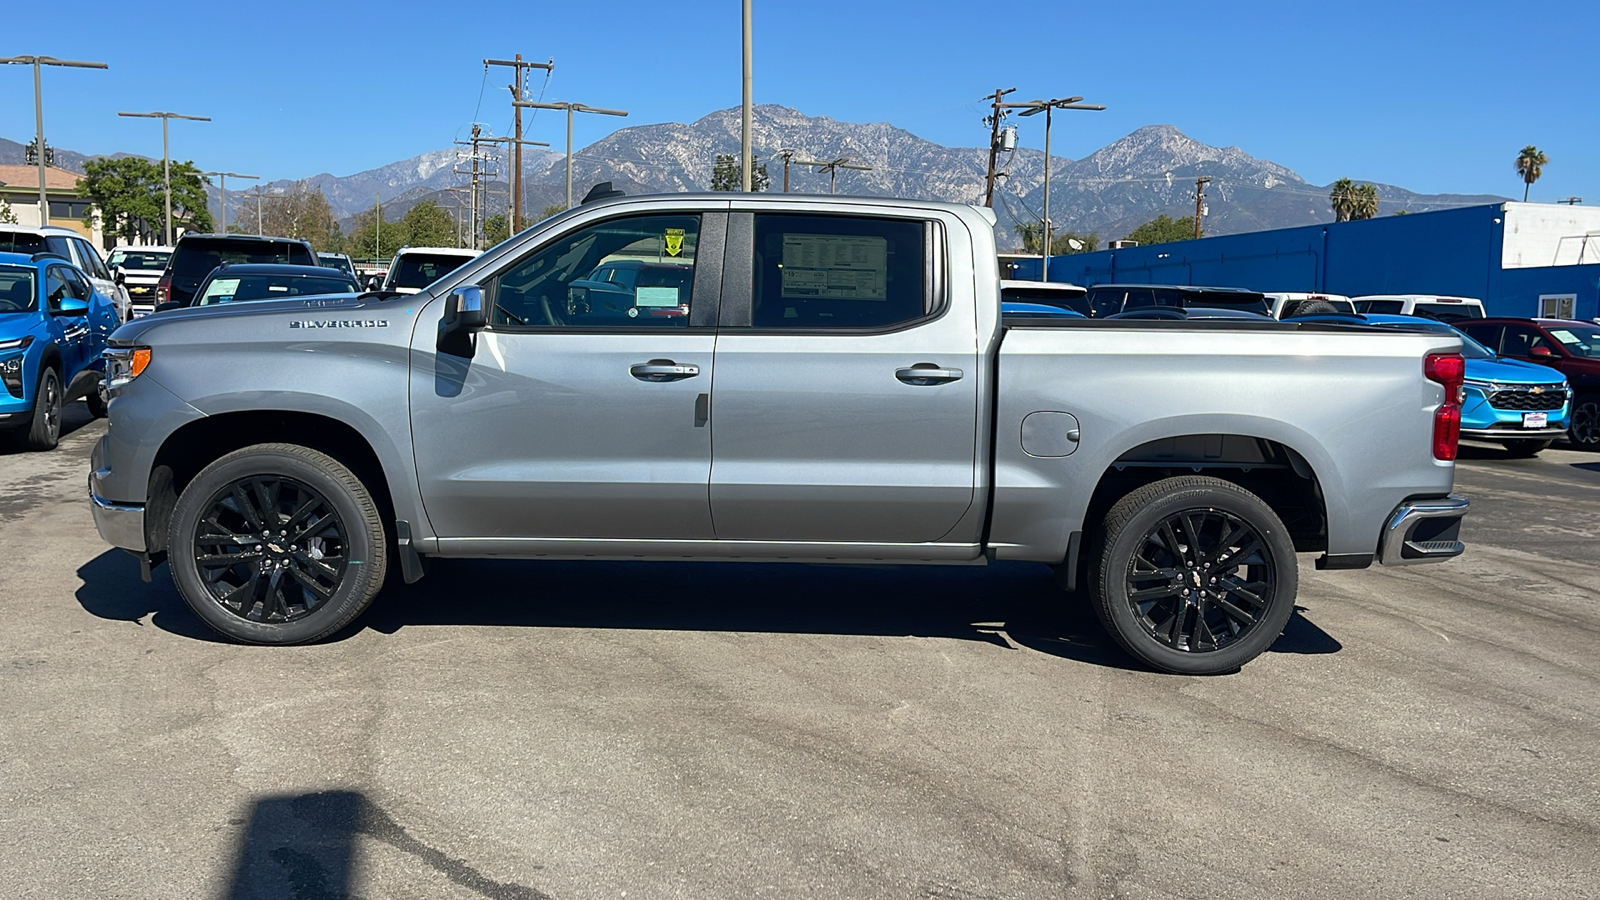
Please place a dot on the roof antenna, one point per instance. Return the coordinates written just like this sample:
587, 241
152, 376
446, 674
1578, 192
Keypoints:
602, 191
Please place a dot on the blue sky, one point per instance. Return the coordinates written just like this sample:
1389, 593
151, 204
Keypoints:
1432, 96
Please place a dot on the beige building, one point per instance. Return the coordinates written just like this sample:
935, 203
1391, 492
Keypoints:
69, 207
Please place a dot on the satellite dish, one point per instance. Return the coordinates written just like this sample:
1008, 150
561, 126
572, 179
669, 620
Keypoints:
1074, 243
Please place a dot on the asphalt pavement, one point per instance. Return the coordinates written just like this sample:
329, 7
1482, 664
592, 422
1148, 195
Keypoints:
661, 730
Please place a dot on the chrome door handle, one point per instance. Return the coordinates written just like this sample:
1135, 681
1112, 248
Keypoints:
659, 370
923, 374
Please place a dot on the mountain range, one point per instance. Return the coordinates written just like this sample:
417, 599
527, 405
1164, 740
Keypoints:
1110, 192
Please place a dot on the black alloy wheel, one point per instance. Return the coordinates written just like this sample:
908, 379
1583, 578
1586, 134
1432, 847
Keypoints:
270, 549
277, 544
45, 430
1195, 575
1584, 432
1201, 579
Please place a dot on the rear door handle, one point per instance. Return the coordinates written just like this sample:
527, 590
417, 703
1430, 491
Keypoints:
659, 370
923, 374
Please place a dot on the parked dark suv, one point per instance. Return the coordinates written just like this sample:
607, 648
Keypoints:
197, 254
1566, 345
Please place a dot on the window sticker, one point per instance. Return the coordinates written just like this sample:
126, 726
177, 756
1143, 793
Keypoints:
1564, 336
223, 287
655, 296
835, 266
674, 238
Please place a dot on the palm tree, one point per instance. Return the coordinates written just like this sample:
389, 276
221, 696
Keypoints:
1343, 197
1365, 204
1530, 165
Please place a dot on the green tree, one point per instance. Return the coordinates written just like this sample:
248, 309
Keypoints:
363, 241
554, 209
427, 225
1353, 201
189, 202
1062, 243
496, 228
727, 174
1163, 230
7, 216
1366, 203
1530, 165
128, 192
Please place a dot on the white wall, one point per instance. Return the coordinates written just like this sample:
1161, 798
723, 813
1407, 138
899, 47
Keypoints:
1550, 234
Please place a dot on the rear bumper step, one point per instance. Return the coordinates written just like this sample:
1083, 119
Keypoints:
1423, 531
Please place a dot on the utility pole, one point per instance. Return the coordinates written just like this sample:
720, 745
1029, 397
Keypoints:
223, 178
995, 118
38, 111
747, 159
787, 156
1199, 201
570, 108
517, 93
516, 195
1034, 107
377, 231
260, 229
477, 171
166, 161
832, 167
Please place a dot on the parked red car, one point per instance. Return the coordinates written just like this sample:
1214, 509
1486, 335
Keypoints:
1566, 345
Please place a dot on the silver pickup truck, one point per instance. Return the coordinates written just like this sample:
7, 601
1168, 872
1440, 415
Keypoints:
778, 378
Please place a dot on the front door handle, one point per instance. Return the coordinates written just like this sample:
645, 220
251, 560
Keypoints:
923, 374
659, 370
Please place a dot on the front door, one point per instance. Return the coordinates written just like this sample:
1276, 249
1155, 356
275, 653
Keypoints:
582, 412
845, 404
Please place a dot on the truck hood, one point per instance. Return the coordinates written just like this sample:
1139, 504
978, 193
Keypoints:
309, 312
1501, 370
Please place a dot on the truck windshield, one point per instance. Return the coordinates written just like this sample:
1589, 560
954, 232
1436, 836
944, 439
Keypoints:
418, 270
271, 287
1581, 340
140, 260
17, 290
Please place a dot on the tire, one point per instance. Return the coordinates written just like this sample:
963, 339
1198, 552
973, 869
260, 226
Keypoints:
1166, 583
1526, 447
96, 401
322, 570
44, 432
1584, 432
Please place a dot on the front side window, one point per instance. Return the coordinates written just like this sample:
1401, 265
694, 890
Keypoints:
56, 287
631, 272
17, 293
1579, 340
77, 285
839, 272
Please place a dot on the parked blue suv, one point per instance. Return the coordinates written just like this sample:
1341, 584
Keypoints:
53, 328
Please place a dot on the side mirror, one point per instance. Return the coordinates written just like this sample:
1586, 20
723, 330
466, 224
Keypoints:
373, 283
464, 315
1542, 353
578, 300
70, 306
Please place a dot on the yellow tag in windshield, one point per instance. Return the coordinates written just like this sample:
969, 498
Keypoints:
674, 241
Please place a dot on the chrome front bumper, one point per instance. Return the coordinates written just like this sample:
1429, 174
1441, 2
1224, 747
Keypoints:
1422, 531
121, 525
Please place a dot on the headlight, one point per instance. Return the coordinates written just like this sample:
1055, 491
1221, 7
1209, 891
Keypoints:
124, 364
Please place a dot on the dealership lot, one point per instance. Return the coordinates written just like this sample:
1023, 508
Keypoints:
578, 730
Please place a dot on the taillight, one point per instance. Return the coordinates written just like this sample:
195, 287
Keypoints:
164, 289
1450, 371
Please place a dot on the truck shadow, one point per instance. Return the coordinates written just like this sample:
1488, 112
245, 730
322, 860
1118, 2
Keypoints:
1007, 605
74, 416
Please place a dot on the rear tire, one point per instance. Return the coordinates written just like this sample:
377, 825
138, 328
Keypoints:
96, 401
1526, 447
277, 544
1196, 575
44, 432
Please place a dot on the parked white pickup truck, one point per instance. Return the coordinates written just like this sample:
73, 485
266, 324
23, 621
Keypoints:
770, 377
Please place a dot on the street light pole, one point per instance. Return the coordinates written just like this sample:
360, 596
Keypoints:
223, 178
166, 160
570, 108
38, 110
1031, 108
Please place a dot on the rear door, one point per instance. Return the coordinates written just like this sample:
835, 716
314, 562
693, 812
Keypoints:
845, 400
573, 419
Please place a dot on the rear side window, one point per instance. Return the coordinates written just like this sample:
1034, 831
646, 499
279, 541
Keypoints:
196, 257
21, 242
1487, 335
839, 272
1383, 307
1106, 301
